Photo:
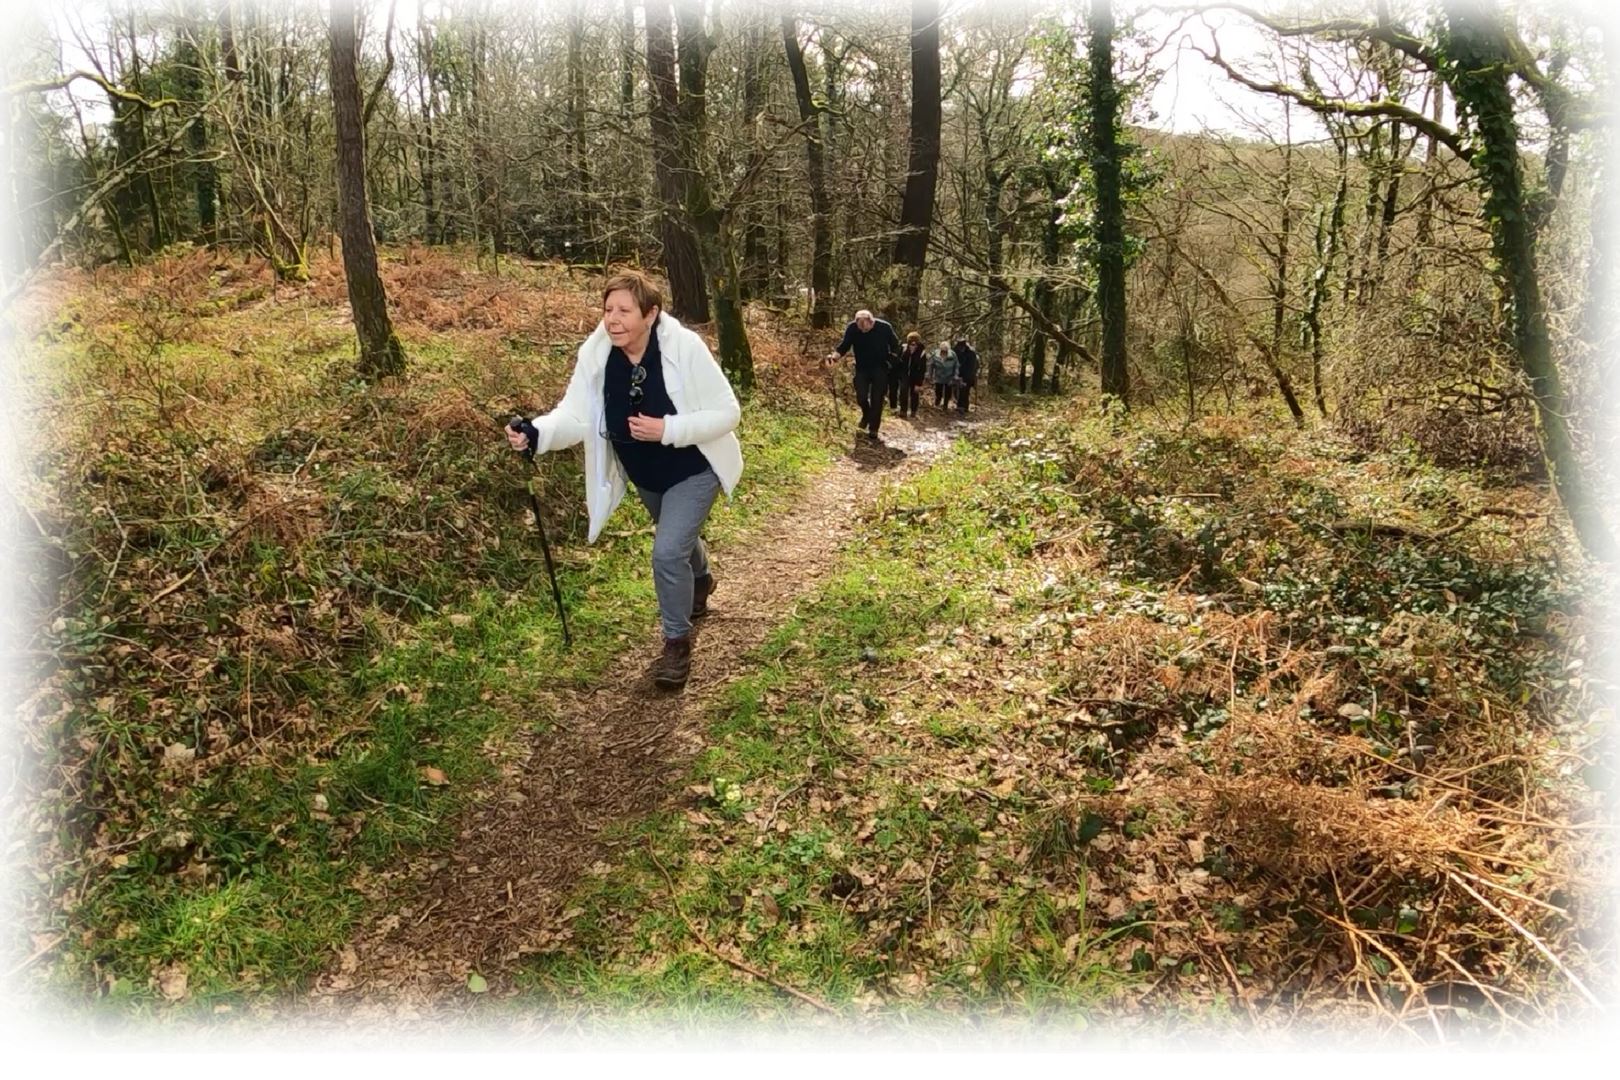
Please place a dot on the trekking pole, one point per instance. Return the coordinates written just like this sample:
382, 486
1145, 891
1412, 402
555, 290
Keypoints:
519, 424
832, 388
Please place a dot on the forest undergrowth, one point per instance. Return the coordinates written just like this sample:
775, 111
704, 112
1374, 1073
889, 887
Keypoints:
1100, 718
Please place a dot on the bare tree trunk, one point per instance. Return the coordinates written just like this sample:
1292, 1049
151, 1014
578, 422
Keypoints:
1285, 226
191, 74
1110, 210
1285, 385
995, 181
1374, 158
814, 151
1598, 321
754, 281
492, 224
580, 225
1032, 363
143, 180
1042, 305
380, 351
1425, 223
428, 155
688, 292
1392, 191
1556, 160
627, 61
833, 93
1327, 247
713, 226
922, 170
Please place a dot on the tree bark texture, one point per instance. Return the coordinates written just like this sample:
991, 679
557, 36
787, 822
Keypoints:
922, 167
1110, 210
380, 351
688, 292
815, 164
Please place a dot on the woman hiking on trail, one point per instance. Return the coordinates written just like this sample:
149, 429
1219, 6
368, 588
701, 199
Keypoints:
914, 367
647, 387
942, 372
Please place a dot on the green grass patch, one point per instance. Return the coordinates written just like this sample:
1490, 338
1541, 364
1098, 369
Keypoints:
367, 601
922, 801
881, 891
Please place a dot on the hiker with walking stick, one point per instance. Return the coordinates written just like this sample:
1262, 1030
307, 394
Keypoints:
875, 344
652, 407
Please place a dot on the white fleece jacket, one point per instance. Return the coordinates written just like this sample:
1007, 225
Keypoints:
706, 416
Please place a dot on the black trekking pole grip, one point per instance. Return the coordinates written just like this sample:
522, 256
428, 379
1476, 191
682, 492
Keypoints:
518, 424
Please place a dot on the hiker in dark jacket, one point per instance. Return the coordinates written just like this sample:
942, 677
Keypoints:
874, 344
897, 378
967, 373
913, 370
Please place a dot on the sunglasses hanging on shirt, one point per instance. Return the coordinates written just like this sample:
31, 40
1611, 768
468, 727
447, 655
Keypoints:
638, 375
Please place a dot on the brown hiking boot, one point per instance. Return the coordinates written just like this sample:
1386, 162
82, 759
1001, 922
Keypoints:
702, 588
673, 667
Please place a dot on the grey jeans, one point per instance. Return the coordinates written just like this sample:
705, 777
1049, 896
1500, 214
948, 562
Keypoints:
678, 554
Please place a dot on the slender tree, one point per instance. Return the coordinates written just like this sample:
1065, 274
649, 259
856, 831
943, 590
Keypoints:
1478, 60
580, 225
816, 169
713, 221
381, 354
1109, 214
194, 83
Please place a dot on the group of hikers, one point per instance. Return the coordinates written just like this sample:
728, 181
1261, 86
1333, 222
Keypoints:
885, 367
654, 409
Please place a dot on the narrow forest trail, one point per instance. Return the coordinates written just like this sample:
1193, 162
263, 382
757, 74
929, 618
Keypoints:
616, 753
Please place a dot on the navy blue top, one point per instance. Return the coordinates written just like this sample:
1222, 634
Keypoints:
873, 347
651, 466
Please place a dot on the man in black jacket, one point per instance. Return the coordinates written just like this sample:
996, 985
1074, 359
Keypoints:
874, 343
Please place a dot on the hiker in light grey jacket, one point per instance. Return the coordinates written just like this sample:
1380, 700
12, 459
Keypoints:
942, 372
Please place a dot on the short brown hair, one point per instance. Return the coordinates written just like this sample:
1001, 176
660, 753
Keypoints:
914, 338
638, 285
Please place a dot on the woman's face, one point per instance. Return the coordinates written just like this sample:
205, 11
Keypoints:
622, 316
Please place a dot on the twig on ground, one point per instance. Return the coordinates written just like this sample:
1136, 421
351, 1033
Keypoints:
1513, 892
1531, 938
37, 953
1445, 954
740, 965
202, 559
637, 742
776, 804
1231, 973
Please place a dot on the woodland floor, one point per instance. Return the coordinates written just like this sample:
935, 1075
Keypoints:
1043, 719
617, 753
